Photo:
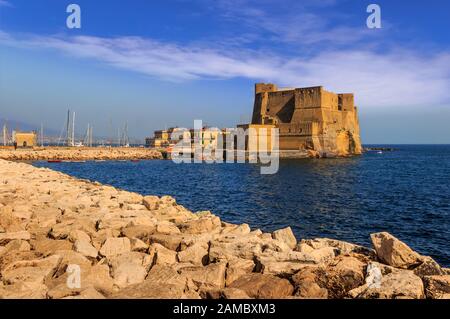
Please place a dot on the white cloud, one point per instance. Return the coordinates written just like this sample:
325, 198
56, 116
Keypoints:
395, 78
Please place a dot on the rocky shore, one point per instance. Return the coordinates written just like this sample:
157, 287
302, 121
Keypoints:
62, 237
78, 154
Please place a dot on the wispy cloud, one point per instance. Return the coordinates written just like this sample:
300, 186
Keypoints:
4, 3
394, 78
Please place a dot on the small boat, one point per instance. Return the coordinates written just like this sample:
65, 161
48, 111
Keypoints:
54, 161
100, 160
74, 161
380, 152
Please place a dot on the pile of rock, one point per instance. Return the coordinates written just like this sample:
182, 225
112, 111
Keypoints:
66, 238
79, 154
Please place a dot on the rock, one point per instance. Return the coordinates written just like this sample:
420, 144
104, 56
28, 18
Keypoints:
394, 252
285, 235
85, 248
78, 235
138, 245
128, 273
263, 286
167, 228
171, 242
140, 232
19, 235
230, 229
437, 287
88, 293
163, 256
306, 284
202, 225
164, 274
196, 254
342, 275
99, 278
32, 272
233, 293
23, 290
48, 247
281, 268
401, 284
428, 267
150, 290
208, 277
115, 246
236, 268
343, 247
151, 202
15, 245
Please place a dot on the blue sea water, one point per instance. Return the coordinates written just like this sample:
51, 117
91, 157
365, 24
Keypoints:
405, 192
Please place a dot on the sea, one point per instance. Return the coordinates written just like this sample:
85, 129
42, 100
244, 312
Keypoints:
405, 192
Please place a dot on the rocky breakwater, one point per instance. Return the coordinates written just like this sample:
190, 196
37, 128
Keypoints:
61, 237
79, 154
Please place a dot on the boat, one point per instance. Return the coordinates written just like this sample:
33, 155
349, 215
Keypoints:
75, 161
380, 152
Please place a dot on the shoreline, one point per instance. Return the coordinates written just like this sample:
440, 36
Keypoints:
131, 246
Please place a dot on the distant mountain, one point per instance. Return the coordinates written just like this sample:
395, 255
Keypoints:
23, 126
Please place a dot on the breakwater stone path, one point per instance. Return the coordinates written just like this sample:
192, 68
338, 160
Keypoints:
62, 237
79, 154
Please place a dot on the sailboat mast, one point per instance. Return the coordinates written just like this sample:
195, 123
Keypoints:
42, 134
68, 127
73, 129
5, 133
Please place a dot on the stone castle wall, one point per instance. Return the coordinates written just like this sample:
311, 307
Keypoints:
309, 118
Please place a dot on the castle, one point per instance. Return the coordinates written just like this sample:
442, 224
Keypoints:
309, 119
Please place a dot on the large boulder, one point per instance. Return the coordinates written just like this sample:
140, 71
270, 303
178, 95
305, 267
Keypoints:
211, 276
85, 248
196, 254
162, 255
115, 246
9, 236
263, 286
394, 252
32, 272
342, 275
306, 284
437, 287
285, 235
398, 284
236, 268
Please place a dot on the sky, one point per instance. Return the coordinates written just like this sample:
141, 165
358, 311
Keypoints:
161, 63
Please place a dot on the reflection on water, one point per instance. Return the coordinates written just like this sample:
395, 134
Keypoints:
405, 192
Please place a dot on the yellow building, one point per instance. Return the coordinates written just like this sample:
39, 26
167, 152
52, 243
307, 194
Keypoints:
258, 137
24, 139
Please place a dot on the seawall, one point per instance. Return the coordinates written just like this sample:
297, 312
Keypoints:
79, 154
62, 237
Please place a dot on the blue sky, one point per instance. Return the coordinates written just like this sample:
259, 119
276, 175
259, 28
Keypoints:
163, 63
